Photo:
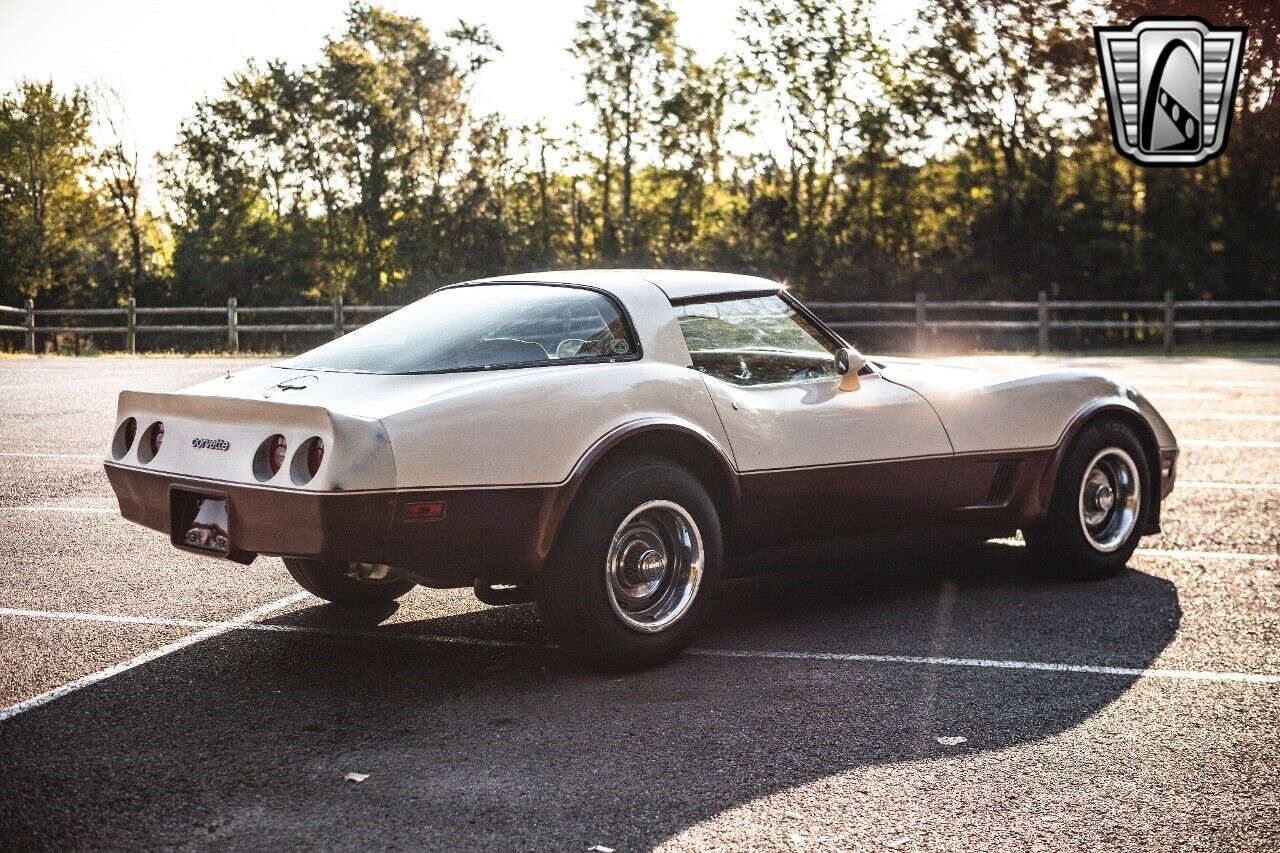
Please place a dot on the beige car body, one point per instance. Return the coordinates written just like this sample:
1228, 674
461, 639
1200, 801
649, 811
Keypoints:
521, 441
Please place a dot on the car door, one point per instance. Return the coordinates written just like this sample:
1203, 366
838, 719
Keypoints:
816, 462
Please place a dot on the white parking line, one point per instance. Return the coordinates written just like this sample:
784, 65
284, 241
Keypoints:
62, 509
1216, 383
1205, 555
110, 618
1171, 553
1221, 416
1187, 674
92, 456
1222, 442
1243, 487
242, 624
209, 632
162, 621
1185, 395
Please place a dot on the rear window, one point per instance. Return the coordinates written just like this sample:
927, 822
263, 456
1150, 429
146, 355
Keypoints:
482, 327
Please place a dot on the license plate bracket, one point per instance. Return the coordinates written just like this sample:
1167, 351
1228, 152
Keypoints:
201, 522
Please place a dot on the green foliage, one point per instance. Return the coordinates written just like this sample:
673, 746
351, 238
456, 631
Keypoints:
971, 159
49, 216
627, 48
333, 179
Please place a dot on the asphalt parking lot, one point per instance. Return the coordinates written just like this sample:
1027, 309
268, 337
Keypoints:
151, 698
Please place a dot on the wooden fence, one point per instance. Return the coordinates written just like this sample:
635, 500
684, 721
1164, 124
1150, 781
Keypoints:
1165, 318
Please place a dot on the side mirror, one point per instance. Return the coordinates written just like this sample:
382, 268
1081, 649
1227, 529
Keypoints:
848, 363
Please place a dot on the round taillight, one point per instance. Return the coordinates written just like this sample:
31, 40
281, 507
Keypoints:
276, 453
122, 441
315, 455
157, 438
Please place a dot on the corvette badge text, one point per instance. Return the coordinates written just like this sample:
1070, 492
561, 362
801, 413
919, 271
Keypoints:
1170, 84
210, 444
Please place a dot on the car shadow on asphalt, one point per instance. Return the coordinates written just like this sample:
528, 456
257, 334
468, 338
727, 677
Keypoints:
244, 740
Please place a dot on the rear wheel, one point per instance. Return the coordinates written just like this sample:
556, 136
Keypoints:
635, 567
1100, 505
331, 580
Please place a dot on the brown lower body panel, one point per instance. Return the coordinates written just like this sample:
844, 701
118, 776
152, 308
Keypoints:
802, 504
505, 534
867, 499
500, 534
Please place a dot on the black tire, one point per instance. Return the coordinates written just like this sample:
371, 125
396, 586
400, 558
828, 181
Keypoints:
327, 579
576, 594
1062, 546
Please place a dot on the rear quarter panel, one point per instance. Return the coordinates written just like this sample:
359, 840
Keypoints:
532, 426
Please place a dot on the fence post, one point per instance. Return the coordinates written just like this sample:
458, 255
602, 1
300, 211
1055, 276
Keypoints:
1168, 322
920, 327
131, 326
233, 326
1042, 319
31, 327
338, 327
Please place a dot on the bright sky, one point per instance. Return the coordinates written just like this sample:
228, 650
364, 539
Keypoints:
164, 56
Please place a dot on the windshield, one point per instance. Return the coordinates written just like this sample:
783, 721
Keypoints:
480, 327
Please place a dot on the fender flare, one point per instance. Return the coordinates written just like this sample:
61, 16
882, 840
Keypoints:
558, 507
1086, 415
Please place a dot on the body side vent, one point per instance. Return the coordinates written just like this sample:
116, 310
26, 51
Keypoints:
1002, 483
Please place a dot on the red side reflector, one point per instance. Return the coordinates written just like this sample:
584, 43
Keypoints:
424, 511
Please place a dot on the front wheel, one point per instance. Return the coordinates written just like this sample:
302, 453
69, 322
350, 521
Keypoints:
635, 567
1100, 505
330, 580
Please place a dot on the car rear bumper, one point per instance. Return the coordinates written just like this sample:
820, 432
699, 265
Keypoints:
265, 520
499, 534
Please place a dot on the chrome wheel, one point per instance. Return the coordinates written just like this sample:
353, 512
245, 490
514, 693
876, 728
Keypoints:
1110, 499
654, 566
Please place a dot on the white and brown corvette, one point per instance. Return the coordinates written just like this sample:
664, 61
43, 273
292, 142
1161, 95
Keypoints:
611, 444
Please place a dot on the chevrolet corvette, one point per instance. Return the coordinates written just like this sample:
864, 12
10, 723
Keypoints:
611, 444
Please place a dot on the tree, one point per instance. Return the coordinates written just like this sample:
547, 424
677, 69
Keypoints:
698, 115
118, 161
973, 159
627, 48
820, 70
399, 105
334, 177
49, 215
1009, 79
